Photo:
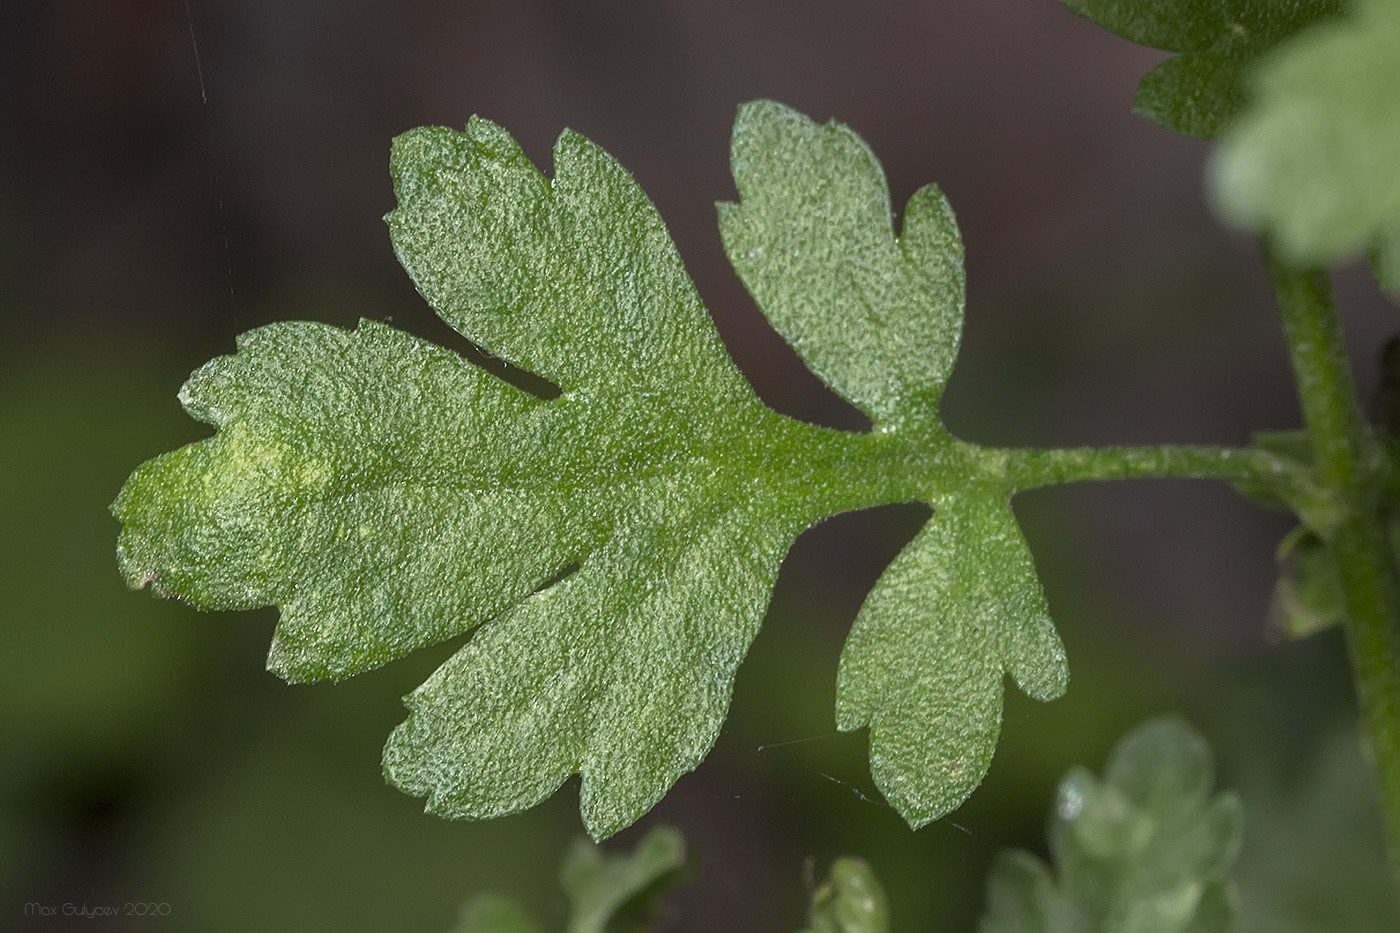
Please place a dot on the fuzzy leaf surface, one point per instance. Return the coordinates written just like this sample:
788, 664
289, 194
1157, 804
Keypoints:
1145, 849
387, 495
1198, 92
1312, 161
876, 315
956, 611
609, 551
879, 316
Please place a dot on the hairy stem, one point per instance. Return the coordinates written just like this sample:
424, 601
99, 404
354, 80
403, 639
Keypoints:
1340, 443
906, 473
1029, 468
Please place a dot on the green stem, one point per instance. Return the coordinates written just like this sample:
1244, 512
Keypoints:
1029, 468
1340, 443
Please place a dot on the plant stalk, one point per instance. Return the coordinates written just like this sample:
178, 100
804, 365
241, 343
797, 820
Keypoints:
1341, 442
1028, 468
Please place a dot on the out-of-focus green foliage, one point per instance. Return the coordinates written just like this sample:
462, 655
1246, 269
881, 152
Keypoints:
1311, 163
1308, 593
1314, 857
607, 893
608, 890
1145, 849
850, 900
1198, 92
491, 913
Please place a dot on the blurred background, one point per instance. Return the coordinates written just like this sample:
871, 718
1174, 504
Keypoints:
174, 173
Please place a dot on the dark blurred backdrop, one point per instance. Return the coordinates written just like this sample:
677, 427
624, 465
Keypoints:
173, 174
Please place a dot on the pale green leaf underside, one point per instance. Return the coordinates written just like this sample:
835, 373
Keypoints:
573, 278
630, 695
351, 484
388, 495
958, 610
1313, 161
612, 550
1145, 848
877, 317
1200, 91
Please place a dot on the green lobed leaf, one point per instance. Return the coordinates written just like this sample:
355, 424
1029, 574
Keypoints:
573, 278
611, 550
1200, 91
1311, 163
1146, 849
850, 900
388, 495
876, 316
349, 485
879, 318
958, 609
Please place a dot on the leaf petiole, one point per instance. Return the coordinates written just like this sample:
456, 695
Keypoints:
1030, 468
